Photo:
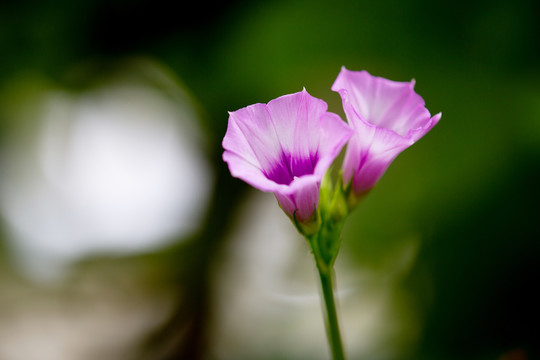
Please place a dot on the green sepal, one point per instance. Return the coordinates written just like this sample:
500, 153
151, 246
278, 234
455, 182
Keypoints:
352, 198
334, 210
309, 227
325, 244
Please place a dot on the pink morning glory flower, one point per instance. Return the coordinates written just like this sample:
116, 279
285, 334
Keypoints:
387, 117
285, 147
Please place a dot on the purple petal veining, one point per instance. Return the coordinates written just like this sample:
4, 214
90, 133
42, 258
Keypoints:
285, 147
387, 117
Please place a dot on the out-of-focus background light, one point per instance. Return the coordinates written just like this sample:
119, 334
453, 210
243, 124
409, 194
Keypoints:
116, 169
267, 283
123, 235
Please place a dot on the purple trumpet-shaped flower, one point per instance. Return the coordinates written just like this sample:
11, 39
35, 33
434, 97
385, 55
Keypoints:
285, 147
387, 117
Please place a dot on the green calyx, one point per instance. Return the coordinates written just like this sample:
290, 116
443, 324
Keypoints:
309, 227
333, 210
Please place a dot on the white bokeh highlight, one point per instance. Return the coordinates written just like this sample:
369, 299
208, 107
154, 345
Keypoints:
117, 170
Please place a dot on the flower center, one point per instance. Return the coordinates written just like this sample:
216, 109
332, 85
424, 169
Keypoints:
289, 168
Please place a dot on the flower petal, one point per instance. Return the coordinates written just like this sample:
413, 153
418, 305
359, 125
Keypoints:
334, 135
369, 153
251, 133
417, 133
387, 117
245, 170
385, 103
301, 137
302, 199
285, 147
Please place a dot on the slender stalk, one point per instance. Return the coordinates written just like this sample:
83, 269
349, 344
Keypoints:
331, 319
325, 243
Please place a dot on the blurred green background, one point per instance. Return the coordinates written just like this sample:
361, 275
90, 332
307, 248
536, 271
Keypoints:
453, 223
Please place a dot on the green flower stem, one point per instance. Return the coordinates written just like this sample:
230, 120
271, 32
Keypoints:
325, 245
332, 325
325, 239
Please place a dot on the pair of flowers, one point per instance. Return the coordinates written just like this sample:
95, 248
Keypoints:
287, 145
